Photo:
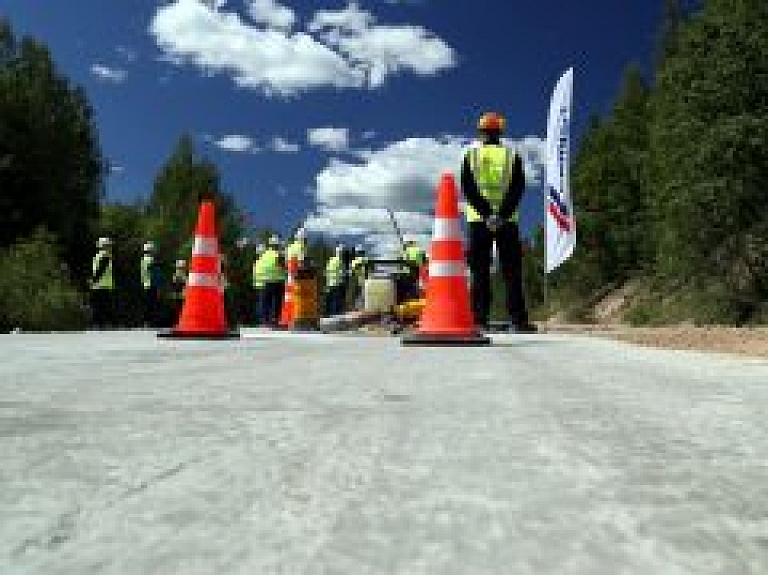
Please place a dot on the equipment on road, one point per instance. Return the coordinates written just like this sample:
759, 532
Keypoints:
203, 314
306, 300
447, 317
379, 292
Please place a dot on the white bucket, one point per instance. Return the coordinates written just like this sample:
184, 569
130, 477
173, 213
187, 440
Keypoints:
379, 294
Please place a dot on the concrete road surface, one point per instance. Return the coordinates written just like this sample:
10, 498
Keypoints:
347, 455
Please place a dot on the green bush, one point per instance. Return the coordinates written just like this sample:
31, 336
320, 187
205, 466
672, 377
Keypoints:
35, 291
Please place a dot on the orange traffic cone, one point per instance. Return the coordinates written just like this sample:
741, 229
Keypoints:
203, 315
288, 311
447, 318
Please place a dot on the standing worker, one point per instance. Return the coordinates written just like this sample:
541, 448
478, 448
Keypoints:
415, 257
150, 280
358, 269
334, 283
298, 248
272, 269
258, 283
492, 180
102, 285
178, 284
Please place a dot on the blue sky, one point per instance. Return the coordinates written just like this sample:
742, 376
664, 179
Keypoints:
327, 111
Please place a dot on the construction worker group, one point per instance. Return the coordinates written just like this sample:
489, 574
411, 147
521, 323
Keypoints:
492, 182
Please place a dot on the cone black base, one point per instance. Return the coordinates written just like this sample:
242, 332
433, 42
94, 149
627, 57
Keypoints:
438, 339
173, 334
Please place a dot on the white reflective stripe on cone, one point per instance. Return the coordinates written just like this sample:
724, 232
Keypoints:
446, 269
203, 280
205, 247
446, 229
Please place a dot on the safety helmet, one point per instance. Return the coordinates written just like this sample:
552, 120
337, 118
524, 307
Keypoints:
301, 234
103, 242
149, 247
491, 122
339, 249
181, 263
260, 248
274, 240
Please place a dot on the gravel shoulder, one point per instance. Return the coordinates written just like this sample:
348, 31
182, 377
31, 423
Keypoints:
732, 340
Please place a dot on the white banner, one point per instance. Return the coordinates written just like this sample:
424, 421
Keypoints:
560, 223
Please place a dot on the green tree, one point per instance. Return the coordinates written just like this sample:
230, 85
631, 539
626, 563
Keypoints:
172, 209
36, 291
51, 170
709, 149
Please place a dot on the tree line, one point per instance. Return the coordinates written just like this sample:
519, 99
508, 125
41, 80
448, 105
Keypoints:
670, 186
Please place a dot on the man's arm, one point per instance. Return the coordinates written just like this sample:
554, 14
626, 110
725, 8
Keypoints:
471, 193
515, 191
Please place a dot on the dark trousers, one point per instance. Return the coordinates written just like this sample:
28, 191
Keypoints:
258, 306
273, 302
151, 307
334, 300
102, 308
510, 257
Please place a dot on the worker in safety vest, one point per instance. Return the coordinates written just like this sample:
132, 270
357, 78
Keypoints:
415, 257
358, 270
492, 181
258, 283
102, 285
334, 283
298, 247
272, 270
178, 284
150, 282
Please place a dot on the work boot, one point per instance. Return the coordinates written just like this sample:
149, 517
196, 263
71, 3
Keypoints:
525, 327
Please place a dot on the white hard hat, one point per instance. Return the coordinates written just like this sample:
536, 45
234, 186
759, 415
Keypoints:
242, 242
274, 240
260, 248
104, 242
301, 234
149, 247
181, 263
339, 249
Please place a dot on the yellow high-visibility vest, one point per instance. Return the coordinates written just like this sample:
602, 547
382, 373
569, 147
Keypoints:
491, 167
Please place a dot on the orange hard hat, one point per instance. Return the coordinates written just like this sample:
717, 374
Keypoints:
491, 122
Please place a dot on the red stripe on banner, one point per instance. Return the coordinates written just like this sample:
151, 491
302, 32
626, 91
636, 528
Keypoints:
562, 222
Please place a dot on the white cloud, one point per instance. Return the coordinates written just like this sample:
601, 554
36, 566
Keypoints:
334, 139
107, 74
236, 143
215, 41
381, 50
272, 14
350, 19
349, 50
279, 144
352, 196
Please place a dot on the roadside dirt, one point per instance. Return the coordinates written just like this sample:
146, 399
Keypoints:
744, 341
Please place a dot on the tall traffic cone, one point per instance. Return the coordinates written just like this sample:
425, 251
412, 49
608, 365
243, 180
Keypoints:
203, 314
288, 311
447, 318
